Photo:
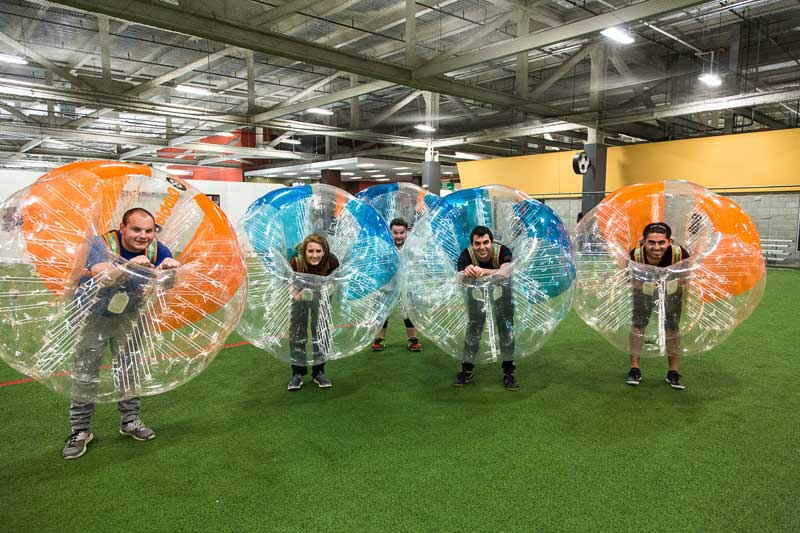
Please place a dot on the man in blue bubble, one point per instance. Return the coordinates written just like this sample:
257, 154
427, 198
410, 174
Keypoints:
114, 294
657, 249
483, 258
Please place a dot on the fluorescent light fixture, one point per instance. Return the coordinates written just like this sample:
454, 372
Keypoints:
302, 178
371, 171
319, 111
365, 165
192, 90
226, 134
401, 168
57, 144
618, 34
291, 173
710, 79
347, 174
291, 141
382, 179
378, 176
465, 155
405, 173
7, 58
425, 127
179, 172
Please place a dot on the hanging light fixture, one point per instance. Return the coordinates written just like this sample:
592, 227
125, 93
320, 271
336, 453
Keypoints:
710, 75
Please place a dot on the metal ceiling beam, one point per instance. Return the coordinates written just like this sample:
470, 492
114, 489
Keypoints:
19, 114
280, 138
311, 88
562, 70
278, 13
352, 92
572, 30
413, 95
471, 115
27, 51
137, 152
180, 71
171, 18
244, 151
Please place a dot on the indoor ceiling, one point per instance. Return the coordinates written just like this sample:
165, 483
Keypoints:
149, 80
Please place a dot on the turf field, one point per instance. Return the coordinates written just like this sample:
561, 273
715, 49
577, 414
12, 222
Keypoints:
392, 446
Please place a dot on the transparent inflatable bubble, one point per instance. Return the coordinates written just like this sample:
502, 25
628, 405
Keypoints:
683, 309
131, 330
400, 200
304, 318
497, 317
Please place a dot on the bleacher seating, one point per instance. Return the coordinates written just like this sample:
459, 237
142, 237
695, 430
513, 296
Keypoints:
776, 250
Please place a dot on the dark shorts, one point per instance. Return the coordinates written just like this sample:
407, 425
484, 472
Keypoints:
643, 306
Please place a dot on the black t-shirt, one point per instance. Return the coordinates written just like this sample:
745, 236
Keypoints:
666, 259
464, 260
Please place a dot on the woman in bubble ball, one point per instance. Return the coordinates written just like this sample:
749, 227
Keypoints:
314, 258
657, 249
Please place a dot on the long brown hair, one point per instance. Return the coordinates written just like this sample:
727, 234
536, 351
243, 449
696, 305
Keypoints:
324, 266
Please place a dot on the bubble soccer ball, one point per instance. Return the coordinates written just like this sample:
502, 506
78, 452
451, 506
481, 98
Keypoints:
687, 308
344, 310
400, 200
496, 317
133, 331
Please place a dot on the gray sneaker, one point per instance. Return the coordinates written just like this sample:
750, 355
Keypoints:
323, 381
296, 382
137, 430
76, 444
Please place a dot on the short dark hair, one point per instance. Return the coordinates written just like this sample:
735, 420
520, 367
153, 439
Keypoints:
657, 227
398, 222
480, 231
129, 212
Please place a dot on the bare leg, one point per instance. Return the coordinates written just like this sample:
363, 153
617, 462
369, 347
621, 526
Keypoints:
411, 332
636, 342
673, 349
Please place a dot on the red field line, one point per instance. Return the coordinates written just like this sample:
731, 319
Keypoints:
28, 380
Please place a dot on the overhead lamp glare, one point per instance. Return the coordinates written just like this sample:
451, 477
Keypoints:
7, 58
291, 141
319, 111
425, 128
618, 34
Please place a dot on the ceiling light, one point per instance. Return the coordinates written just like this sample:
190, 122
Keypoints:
401, 168
373, 170
319, 111
617, 34
383, 179
192, 90
378, 176
291, 141
347, 174
226, 134
712, 80
365, 165
405, 173
6, 58
465, 155
425, 127
291, 173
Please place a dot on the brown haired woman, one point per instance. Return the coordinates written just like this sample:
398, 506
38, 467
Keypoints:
314, 258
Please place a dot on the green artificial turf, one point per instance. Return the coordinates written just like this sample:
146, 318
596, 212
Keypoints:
393, 446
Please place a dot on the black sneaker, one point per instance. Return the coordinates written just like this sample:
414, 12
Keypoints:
323, 381
462, 378
414, 345
634, 377
510, 382
674, 380
296, 382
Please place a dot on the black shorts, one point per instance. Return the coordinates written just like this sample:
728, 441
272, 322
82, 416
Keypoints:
644, 304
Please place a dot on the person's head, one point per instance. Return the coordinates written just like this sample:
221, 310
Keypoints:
399, 229
481, 240
580, 216
657, 237
137, 229
315, 249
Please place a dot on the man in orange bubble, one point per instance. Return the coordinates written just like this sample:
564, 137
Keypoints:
113, 305
657, 249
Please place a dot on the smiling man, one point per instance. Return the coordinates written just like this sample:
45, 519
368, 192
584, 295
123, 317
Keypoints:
657, 249
483, 258
114, 306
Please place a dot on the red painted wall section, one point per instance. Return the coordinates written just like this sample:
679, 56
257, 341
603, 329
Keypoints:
207, 173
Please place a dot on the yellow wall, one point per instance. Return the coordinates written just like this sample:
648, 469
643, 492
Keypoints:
767, 158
